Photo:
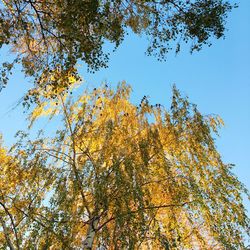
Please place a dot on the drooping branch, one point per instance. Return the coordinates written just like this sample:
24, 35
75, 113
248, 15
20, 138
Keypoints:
144, 209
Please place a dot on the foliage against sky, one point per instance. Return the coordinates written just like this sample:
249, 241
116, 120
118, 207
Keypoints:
158, 187
122, 176
49, 37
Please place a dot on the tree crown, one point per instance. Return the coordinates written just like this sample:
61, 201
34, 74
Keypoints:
126, 176
48, 38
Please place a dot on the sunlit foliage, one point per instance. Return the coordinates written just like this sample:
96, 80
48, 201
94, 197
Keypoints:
51, 36
25, 181
121, 176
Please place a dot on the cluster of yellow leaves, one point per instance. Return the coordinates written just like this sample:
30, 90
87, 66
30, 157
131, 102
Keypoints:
9, 173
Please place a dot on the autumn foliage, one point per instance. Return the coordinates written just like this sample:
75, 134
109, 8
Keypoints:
45, 35
120, 176
112, 174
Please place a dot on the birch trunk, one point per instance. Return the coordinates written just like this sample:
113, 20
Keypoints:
89, 240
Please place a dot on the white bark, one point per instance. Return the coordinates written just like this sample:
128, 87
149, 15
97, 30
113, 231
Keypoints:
88, 242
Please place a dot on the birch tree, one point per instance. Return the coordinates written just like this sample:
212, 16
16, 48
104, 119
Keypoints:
121, 176
48, 36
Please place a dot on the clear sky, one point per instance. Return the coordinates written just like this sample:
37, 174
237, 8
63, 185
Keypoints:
217, 79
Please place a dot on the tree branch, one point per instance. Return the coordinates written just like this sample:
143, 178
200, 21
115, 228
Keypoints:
12, 223
144, 208
5, 231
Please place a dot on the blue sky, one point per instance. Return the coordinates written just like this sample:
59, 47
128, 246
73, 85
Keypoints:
217, 79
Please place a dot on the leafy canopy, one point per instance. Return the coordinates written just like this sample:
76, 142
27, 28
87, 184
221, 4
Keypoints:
49, 37
121, 176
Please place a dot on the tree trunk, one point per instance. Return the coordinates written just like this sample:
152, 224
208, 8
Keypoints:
88, 242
